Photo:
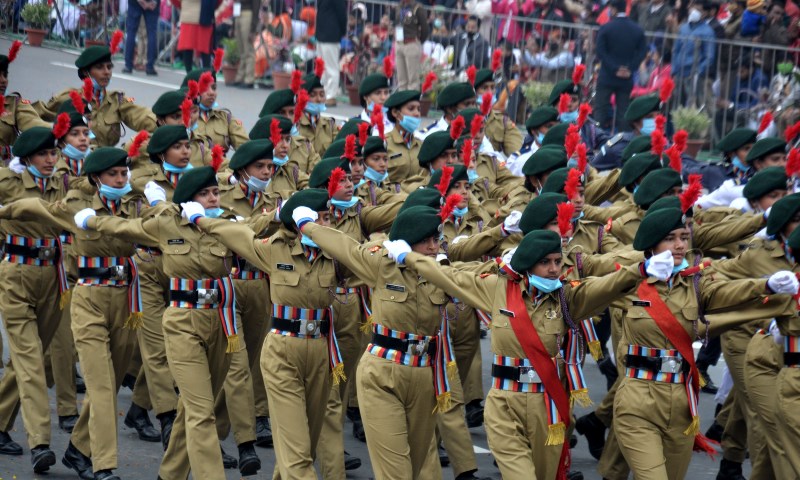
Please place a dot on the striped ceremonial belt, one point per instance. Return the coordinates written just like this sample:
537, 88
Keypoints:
500, 375
345, 291
651, 374
224, 302
130, 280
27, 251
247, 271
397, 356
791, 351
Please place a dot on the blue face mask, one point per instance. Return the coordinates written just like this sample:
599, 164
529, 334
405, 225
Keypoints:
740, 165
684, 264
344, 205
544, 285
208, 109
648, 126
193, 127
114, 194
472, 176
315, 108
256, 184
279, 162
214, 212
410, 124
539, 138
375, 176
74, 153
294, 131
307, 241
569, 117
95, 84
371, 105
460, 212
36, 173
168, 167
635, 187
92, 136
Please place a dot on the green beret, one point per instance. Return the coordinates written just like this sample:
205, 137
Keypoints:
429, 197
76, 119
104, 158
250, 152
656, 226
642, 106
349, 128
640, 144
32, 140
335, 149
764, 147
277, 100
322, 171
373, 82
92, 55
415, 224
736, 139
261, 129
636, 167
314, 198
540, 116
455, 93
168, 103
434, 145
310, 82
668, 202
556, 180
782, 213
374, 145
192, 182
195, 75
655, 184
164, 137
459, 174
468, 114
540, 211
545, 159
564, 86
794, 242
765, 181
535, 246
482, 76
400, 98
556, 135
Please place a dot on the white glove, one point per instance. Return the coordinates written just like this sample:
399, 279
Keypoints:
397, 250
783, 282
458, 239
762, 234
83, 216
192, 211
442, 259
776, 333
661, 265
303, 215
511, 223
233, 180
507, 257
16, 166
154, 193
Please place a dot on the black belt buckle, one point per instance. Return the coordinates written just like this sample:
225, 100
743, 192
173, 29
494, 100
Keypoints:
790, 359
46, 253
206, 296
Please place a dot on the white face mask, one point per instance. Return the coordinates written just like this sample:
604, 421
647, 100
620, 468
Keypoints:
694, 16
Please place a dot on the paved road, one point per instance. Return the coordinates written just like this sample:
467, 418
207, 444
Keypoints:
39, 73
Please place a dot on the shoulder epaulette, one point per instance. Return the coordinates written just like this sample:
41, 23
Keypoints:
614, 140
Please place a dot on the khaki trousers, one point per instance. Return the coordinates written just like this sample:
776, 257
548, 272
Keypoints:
612, 464
473, 380
408, 62
29, 304
739, 433
242, 33
196, 344
105, 347
788, 398
59, 363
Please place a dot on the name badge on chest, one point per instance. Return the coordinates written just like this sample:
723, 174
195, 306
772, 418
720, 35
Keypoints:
175, 241
507, 313
395, 288
641, 303
285, 266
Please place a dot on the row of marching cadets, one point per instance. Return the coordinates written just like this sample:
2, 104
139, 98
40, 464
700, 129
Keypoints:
271, 283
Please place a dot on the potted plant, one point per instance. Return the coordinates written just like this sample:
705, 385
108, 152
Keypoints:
696, 122
443, 77
537, 93
37, 20
230, 61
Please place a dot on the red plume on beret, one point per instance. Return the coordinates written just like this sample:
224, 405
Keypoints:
571, 140
793, 163
674, 156
457, 127
219, 54
466, 152
275, 131
692, 192
572, 183
61, 126
302, 101
444, 183
475, 126
486, 103
582, 162
679, 140
206, 79
376, 119
216, 157
791, 132
77, 101
116, 40
563, 103
193, 89
577, 74
388, 67
363, 132
319, 67
88, 89
658, 142
583, 113
471, 72
14, 50
449, 205
765, 121
666, 89
186, 111
136, 145
296, 83
565, 213
337, 175
497, 59
350, 147
428, 82
661, 122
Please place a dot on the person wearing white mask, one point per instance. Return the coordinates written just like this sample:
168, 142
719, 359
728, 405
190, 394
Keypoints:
374, 90
693, 55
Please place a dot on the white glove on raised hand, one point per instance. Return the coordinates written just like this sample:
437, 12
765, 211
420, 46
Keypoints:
16, 166
660, 266
776, 333
397, 250
192, 211
83, 216
154, 193
507, 257
511, 223
783, 282
303, 215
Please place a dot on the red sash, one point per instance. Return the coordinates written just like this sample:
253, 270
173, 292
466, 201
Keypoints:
679, 338
534, 349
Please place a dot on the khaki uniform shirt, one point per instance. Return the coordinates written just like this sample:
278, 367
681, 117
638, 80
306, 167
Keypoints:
503, 133
303, 155
402, 158
17, 117
321, 135
372, 194
15, 186
221, 128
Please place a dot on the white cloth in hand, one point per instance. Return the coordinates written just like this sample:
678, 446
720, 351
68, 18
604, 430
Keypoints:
397, 249
16, 166
154, 193
783, 282
83, 216
192, 210
507, 258
511, 223
660, 266
303, 213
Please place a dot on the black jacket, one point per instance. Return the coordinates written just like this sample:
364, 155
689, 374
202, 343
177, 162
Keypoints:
477, 49
331, 20
620, 42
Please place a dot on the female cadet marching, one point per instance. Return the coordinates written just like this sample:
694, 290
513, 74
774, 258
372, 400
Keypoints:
172, 109
377, 188
401, 144
215, 123
106, 306
374, 90
318, 129
287, 176
500, 129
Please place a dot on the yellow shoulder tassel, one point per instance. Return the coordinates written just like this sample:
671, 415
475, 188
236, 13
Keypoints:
443, 402
555, 434
582, 397
63, 301
233, 344
702, 381
338, 374
451, 369
595, 350
366, 327
693, 427
135, 320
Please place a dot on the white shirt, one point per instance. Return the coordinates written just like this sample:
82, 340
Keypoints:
388, 126
722, 196
517, 159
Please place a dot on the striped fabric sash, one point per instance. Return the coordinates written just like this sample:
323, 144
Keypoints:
135, 319
41, 183
226, 303
311, 253
485, 318
172, 178
592, 341
111, 205
579, 392
514, 386
57, 261
287, 312
396, 356
643, 374
239, 273
75, 165
346, 291
252, 197
365, 296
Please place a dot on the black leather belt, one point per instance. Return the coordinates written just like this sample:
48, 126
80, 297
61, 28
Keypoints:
656, 364
119, 272
407, 346
791, 358
42, 253
203, 296
517, 374
295, 326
